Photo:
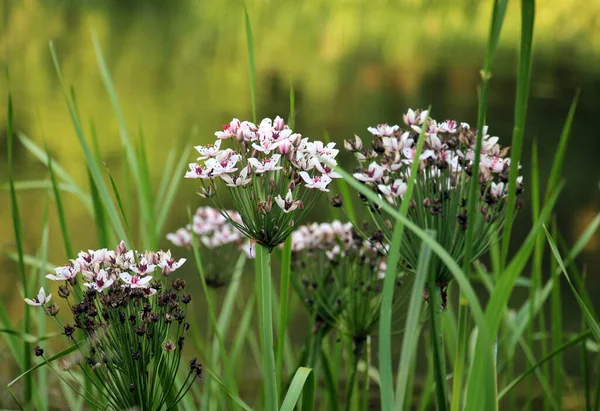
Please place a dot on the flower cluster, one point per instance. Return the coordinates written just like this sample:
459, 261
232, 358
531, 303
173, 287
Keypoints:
213, 230
273, 175
441, 191
338, 273
131, 327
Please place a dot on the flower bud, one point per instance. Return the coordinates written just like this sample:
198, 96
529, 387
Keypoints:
64, 291
52, 309
121, 248
353, 145
337, 201
178, 284
38, 351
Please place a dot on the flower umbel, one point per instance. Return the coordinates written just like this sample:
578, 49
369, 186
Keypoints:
443, 176
126, 323
267, 163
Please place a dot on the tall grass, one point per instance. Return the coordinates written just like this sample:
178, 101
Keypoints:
480, 341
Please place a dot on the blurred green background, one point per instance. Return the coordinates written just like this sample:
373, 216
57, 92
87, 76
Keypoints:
180, 67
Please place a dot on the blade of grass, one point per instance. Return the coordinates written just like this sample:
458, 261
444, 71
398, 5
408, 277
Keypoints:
41, 156
144, 191
570, 343
26, 353
233, 396
166, 201
523, 80
49, 360
409, 340
497, 19
251, 65
588, 316
556, 331
60, 210
92, 163
286, 268
389, 284
302, 383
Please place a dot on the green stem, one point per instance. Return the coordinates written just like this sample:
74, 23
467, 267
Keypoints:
437, 345
357, 351
266, 332
461, 350
284, 293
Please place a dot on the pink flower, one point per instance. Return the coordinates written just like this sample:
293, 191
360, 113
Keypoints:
40, 299
448, 126
373, 174
268, 164
288, 204
196, 171
169, 264
412, 118
101, 282
396, 189
143, 267
229, 130
134, 281
496, 189
237, 181
64, 273
383, 130
208, 151
317, 182
182, 237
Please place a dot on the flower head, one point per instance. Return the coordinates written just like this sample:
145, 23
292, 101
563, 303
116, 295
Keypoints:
40, 299
267, 163
443, 175
101, 281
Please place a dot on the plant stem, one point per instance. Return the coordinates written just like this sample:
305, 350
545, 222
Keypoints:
358, 345
266, 332
461, 350
437, 345
283, 302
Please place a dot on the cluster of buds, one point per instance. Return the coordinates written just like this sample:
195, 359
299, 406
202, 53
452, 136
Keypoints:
339, 275
445, 169
129, 324
274, 176
213, 230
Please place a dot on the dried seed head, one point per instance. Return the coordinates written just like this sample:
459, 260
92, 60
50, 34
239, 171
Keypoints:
52, 309
178, 284
38, 351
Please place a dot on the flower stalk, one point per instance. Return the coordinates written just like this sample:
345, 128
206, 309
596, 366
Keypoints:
263, 276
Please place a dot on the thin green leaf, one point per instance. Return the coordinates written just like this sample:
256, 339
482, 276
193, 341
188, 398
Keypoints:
60, 210
409, 340
55, 357
251, 65
302, 383
513, 383
234, 397
593, 324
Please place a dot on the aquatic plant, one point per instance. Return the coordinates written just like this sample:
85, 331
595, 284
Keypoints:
441, 193
128, 327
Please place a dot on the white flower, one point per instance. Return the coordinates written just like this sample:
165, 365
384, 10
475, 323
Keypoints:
318, 182
411, 118
383, 130
143, 267
237, 181
496, 189
448, 126
182, 237
223, 163
101, 282
134, 281
169, 264
229, 130
208, 151
64, 273
396, 189
373, 174
40, 299
196, 171
268, 164
409, 153
325, 169
288, 204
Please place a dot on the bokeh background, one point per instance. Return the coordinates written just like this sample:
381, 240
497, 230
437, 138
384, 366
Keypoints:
181, 71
